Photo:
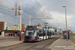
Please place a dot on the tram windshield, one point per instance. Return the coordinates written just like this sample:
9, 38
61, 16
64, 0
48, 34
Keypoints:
29, 33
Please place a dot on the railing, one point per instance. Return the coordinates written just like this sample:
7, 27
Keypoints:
11, 38
72, 38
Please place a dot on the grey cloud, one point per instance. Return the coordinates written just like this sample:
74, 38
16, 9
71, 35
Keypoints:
31, 6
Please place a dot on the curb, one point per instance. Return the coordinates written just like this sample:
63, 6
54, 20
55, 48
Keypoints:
14, 44
72, 43
53, 43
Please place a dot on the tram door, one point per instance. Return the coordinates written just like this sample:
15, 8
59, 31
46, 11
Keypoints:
49, 35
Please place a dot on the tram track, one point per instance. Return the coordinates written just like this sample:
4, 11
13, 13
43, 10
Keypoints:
20, 46
35, 45
32, 46
24, 45
44, 44
41, 43
28, 44
48, 44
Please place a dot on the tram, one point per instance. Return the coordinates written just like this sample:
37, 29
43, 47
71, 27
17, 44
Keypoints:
34, 33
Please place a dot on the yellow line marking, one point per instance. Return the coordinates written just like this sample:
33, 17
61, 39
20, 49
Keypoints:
73, 43
14, 43
53, 43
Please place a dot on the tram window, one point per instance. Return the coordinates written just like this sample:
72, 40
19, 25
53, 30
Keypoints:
39, 31
35, 33
44, 31
43, 34
0, 33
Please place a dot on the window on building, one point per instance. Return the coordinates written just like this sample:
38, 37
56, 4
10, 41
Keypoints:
0, 33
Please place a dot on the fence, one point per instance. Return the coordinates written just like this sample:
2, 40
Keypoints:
11, 38
72, 38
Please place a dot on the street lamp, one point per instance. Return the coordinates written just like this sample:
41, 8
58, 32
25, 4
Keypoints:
66, 20
46, 25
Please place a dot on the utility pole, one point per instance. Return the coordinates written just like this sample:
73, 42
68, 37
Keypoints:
29, 19
20, 21
19, 13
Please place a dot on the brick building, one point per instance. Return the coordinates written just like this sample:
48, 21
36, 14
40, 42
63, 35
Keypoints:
22, 26
2, 28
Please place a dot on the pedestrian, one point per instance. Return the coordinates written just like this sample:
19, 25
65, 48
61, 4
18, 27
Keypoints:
15, 34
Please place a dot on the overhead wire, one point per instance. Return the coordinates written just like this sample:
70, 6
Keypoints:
28, 18
4, 10
9, 2
13, 4
33, 20
5, 7
33, 16
38, 19
40, 6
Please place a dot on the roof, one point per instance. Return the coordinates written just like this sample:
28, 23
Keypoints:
13, 28
11, 31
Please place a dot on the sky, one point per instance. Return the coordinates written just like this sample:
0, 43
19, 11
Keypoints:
39, 9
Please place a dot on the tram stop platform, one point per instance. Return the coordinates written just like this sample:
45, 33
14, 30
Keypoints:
9, 41
62, 44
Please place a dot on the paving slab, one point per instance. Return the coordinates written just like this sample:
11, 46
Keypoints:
9, 43
62, 44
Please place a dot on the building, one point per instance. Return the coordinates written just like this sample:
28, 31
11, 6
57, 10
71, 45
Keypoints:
14, 29
2, 28
22, 26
